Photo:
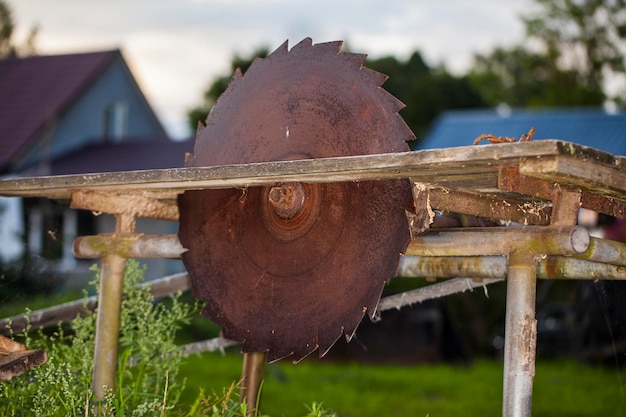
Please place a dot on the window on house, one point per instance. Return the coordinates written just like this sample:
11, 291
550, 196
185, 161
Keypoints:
116, 121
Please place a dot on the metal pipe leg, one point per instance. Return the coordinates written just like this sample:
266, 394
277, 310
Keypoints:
520, 336
253, 370
108, 324
109, 312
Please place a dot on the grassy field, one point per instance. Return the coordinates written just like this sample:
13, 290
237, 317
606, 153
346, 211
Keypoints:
562, 388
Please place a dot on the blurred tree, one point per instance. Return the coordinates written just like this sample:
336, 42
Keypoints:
217, 87
523, 78
585, 36
6, 30
577, 47
7, 46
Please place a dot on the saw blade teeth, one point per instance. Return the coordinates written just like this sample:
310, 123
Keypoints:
281, 50
349, 330
303, 44
392, 101
373, 76
277, 353
408, 134
237, 75
201, 126
355, 59
333, 47
327, 340
300, 354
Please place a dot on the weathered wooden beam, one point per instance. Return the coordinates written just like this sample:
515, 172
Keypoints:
489, 205
510, 179
136, 205
589, 176
454, 163
15, 358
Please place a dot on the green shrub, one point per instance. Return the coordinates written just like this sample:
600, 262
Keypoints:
147, 382
147, 379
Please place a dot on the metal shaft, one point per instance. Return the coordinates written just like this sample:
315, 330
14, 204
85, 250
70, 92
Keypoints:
552, 267
128, 246
252, 377
483, 241
521, 336
108, 316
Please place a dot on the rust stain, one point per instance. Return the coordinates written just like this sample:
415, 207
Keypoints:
529, 345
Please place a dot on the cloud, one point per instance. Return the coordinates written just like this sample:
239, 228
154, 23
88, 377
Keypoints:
176, 47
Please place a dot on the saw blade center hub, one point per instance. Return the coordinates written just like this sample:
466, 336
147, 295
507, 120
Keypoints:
287, 200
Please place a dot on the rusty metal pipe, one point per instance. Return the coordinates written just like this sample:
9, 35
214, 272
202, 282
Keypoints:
108, 324
520, 339
128, 246
479, 241
552, 267
452, 266
605, 251
252, 377
429, 292
449, 243
561, 267
109, 313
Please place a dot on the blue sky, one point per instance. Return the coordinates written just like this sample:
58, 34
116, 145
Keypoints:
175, 48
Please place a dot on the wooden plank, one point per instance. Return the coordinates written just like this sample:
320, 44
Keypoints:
587, 175
16, 363
467, 160
136, 205
489, 206
511, 180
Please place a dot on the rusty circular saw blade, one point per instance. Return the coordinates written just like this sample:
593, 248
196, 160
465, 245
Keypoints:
289, 269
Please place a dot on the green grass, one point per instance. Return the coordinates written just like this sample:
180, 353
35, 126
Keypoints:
562, 388
16, 306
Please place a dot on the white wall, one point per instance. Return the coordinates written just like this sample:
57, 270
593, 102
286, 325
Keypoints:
11, 228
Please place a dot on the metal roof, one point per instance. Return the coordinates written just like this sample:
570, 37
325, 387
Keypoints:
588, 127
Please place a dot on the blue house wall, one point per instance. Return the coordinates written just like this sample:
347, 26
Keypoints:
84, 122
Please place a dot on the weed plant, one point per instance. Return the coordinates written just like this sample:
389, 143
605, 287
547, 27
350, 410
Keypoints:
147, 379
147, 382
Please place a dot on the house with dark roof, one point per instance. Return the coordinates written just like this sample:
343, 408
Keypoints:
72, 114
595, 128
53, 105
